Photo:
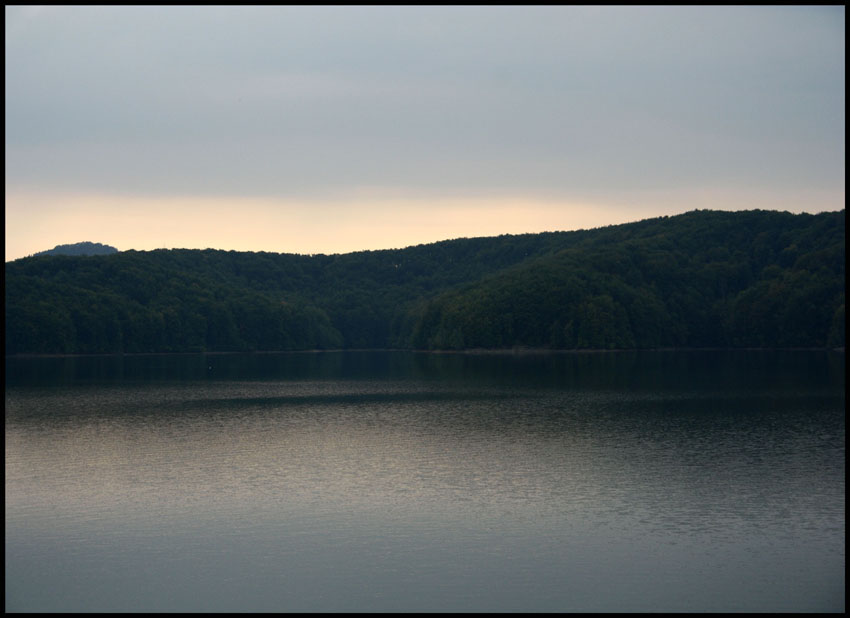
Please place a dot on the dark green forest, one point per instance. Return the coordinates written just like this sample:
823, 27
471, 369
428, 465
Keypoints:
701, 279
80, 248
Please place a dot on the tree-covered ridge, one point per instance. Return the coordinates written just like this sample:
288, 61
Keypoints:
80, 248
702, 279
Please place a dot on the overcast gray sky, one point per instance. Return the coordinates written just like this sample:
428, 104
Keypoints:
337, 128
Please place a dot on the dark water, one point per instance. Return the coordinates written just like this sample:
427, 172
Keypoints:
708, 481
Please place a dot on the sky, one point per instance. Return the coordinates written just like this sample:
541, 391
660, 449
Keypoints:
331, 129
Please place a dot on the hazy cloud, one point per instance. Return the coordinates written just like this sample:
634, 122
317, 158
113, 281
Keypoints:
552, 102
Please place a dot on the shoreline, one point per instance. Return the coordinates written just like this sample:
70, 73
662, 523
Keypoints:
468, 351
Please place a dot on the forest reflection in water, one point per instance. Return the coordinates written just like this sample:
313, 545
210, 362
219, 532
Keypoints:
399, 481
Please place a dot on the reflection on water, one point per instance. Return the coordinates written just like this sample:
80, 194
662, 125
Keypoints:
645, 371
407, 482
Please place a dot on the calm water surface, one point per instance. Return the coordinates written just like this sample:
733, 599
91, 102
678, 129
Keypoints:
380, 481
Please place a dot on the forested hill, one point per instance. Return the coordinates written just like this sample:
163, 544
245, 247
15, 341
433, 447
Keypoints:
80, 248
701, 279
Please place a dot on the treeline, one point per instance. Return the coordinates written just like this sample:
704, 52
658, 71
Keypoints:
80, 248
701, 279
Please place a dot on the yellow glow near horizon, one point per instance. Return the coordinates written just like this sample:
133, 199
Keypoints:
36, 221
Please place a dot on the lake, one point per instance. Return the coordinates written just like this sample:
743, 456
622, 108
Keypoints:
402, 481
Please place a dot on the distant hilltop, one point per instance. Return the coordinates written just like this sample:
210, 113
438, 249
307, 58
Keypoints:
80, 248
